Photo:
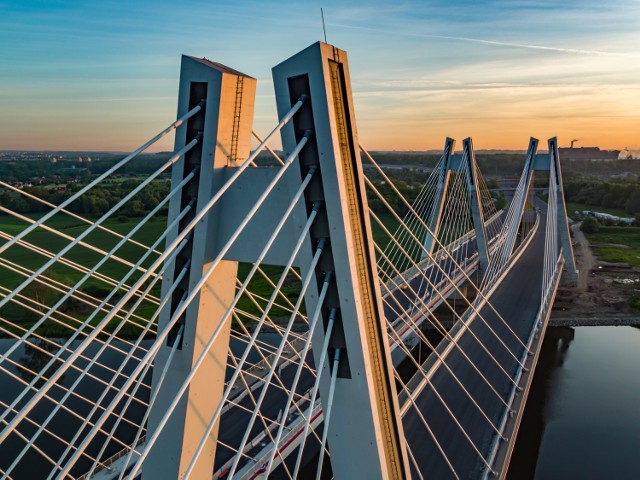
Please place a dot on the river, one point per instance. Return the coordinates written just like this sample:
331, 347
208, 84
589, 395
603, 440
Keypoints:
582, 418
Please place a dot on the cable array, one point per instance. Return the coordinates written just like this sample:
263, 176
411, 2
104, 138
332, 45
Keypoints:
81, 320
482, 354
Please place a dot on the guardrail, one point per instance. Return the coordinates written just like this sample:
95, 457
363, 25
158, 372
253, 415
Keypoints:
106, 465
539, 326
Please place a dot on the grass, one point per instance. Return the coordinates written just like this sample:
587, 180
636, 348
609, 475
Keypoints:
147, 235
21, 256
604, 244
82, 255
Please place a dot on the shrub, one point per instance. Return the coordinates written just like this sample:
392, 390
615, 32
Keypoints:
590, 225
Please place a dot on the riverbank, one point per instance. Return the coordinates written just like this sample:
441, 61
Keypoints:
595, 321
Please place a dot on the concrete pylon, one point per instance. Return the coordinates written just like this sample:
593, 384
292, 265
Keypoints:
562, 220
542, 162
365, 437
475, 203
437, 208
520, 203
225, 124
457, 162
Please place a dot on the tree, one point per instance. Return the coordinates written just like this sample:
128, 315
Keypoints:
590, 225
633, 202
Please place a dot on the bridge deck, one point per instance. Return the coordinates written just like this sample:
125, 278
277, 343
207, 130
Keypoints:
517, 299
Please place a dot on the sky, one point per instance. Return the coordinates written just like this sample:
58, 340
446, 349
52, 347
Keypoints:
85, 75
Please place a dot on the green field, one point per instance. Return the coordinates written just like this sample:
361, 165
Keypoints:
21, 256
617, 244
18, 257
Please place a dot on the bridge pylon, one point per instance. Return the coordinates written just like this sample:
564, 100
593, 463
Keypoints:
466, 164
313, 90
475, 202
365, 433
224, 126
542, 162
442, 186
520, 201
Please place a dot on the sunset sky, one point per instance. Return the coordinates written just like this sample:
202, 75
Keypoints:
84, 75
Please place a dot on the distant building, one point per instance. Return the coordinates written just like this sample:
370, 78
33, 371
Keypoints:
608, 217
588, 153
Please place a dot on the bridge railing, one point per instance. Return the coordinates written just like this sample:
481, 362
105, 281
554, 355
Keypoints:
512, 415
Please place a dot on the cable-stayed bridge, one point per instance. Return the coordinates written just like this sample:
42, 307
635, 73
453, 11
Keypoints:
286, 318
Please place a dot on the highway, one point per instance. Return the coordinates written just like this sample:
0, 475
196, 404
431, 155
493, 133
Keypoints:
235, 418
517, 299
233, 422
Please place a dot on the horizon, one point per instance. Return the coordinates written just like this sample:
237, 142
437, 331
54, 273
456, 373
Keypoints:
104, 78
155, 152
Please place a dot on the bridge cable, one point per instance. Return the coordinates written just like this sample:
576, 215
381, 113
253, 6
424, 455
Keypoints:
86, 322
72, 214
57, 286
308, 278
142, 335
314, 394
403, 387
466, 277
433, 319
106, 174
327, 415
452, 281
119, 371
198, 285
148, 273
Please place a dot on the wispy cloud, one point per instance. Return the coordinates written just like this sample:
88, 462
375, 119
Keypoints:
499, 69
492, 42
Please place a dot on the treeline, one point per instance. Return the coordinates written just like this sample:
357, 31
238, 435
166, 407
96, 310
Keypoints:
66, 169
491, 164
580, 168
408, 190
24, 170
623, 195
95, 202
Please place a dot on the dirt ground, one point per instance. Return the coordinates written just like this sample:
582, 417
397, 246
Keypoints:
604, 289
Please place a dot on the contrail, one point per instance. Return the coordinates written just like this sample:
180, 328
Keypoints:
492, 42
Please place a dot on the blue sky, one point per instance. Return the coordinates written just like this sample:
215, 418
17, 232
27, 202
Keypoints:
103, 75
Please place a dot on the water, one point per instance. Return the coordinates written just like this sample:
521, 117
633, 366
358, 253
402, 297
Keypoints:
65, 424
582, 418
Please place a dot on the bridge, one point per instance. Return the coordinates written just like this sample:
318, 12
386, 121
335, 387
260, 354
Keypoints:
286, 314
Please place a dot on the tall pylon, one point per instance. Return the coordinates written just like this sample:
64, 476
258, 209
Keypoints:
465, 162
365, 434
520, 201
542, 162
571, 275
224, 126
442, 186
366, 438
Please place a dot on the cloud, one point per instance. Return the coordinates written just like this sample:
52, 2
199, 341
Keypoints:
492, 42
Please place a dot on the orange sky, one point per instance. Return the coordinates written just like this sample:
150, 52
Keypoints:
80, 76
